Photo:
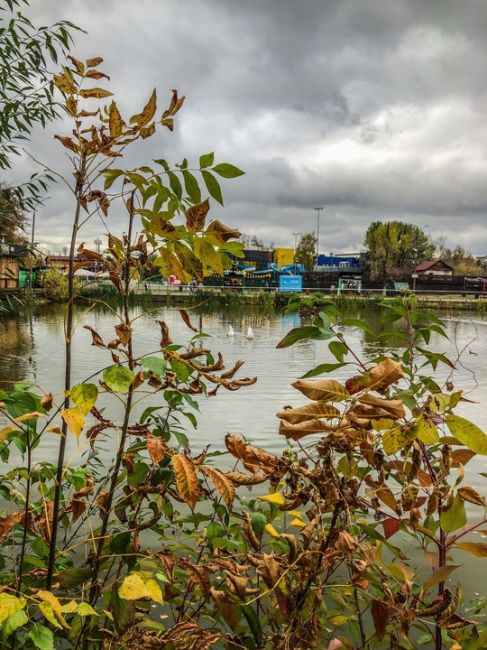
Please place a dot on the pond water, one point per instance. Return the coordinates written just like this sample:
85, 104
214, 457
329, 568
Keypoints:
32, 347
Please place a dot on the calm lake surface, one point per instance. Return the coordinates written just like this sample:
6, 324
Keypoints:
32, 347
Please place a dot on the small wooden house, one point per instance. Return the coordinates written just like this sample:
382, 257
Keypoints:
10, 255
434, 268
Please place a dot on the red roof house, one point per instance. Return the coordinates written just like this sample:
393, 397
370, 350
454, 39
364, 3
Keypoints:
434, 267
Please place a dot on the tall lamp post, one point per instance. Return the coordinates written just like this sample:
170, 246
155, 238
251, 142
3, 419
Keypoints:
295, 235
318, 210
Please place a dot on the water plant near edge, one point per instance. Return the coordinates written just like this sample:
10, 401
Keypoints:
149, 542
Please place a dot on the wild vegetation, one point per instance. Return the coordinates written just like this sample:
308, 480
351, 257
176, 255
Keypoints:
147, 543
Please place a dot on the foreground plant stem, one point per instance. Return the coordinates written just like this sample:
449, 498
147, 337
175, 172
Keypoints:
68, 335
100, 543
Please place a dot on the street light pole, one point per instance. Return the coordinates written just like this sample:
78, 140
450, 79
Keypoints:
296, 235
318, 210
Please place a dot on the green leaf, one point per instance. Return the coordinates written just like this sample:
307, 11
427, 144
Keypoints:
73, 577
175, 184
338, 349
323, 369
118, 378
41, 637
85, 609
305, 332
213, 186
192, 187
227, 170
468, 433
455, 517
13, 622
111, 176
439, 575
156, 365
84, 396
426, 431
207, 160
258, 522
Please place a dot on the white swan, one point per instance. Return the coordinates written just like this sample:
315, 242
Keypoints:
250, 333
230, 331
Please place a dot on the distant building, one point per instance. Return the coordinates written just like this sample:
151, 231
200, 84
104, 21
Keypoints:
284, 256
338, 262
434, 268
9, 264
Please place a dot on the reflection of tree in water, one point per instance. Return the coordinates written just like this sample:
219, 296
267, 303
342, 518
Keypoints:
16, 349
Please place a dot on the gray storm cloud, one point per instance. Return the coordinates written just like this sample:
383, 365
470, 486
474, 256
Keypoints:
373, 110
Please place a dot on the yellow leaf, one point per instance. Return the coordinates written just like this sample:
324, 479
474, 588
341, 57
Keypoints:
142, 119
95, 93
115, 121
297, 522
10, 604
4, 433
295, 513
69, 608
47, 611
270, 530
50, 599
475, 548
75, 420
134, 587
29, 416
153, 591
276, 498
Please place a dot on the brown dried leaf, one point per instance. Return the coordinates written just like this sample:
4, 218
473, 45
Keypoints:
222, 232
68, 143
378, 378
238, 478
196, 216
8, 522
380, 615
306, 428
310, 411
47, 401
166, 339
187, 320
222, 483
326, 390
390, 407
124, 332
253, 458
468, 493
187, 483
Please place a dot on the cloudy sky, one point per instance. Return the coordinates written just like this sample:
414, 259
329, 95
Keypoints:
373, 109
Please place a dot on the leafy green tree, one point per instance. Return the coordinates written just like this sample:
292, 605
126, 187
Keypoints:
395, 246
462, 261
12, 217
26, 85
306, 251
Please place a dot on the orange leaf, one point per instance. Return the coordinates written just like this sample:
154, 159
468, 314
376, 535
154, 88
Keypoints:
156, 447
187, 483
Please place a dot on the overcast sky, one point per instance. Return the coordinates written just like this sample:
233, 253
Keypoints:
373, 109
